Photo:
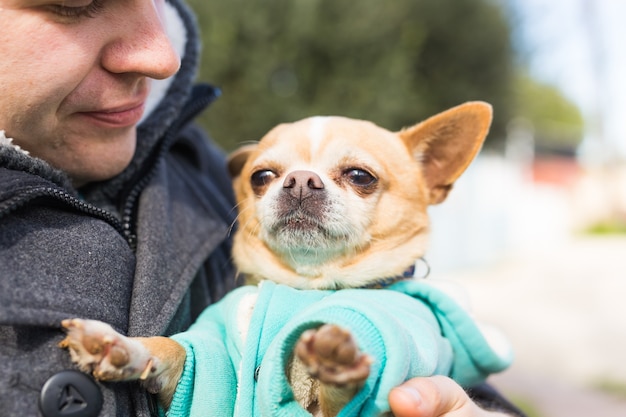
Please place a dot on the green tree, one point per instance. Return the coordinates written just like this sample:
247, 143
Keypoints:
557, 124
392, 62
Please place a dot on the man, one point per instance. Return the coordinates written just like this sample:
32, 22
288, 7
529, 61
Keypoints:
120, 211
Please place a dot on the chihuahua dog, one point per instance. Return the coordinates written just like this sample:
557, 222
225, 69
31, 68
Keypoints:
325, 203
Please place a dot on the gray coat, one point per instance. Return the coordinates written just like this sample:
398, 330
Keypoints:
145, 251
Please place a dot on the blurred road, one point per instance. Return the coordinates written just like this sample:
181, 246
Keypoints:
563, 308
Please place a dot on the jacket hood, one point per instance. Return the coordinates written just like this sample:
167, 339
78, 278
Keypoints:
14, 158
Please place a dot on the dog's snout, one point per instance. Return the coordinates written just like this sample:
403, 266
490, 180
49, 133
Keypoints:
302, 183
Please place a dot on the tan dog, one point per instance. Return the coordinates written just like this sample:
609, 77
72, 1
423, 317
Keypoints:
324, 203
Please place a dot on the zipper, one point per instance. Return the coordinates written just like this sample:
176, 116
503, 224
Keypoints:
201, 96
60, 196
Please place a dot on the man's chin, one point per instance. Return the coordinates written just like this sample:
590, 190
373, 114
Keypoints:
99, 166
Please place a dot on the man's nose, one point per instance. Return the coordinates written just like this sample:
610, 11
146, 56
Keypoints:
142, 46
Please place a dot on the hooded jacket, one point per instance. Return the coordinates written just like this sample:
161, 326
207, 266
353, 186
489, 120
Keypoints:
145, 251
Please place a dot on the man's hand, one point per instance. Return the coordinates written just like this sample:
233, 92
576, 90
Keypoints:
435, 396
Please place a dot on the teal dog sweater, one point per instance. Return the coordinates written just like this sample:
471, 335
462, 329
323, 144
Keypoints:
410, 329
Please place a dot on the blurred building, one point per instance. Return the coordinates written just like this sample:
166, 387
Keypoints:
527, 198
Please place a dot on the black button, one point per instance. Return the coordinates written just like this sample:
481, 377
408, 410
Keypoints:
70, 394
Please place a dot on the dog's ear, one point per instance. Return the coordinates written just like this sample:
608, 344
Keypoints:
446, 143
237, 159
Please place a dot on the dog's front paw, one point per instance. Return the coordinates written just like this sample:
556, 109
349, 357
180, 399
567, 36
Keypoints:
331, 355
98, 349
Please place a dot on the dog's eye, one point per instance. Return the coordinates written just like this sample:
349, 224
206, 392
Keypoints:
262, 177
359, 177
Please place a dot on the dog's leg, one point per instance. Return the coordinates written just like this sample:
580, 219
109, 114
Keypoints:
109, 356
331, 355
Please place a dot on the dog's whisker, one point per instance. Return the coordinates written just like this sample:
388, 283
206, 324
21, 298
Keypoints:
240, 212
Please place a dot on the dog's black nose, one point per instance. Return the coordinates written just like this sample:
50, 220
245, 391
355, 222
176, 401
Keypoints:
302, 183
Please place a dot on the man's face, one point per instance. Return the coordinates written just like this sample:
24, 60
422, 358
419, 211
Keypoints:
74, 76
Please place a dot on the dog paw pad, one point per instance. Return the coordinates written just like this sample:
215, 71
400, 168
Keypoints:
97, 348
331, 355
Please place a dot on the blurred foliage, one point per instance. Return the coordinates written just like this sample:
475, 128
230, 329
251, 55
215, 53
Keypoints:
616, 226
557, 123
616, 388
526, 406
392, 62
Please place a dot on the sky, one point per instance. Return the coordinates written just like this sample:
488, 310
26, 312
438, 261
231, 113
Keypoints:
580, 46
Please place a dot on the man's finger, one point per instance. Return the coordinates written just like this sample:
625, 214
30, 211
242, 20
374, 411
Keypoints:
427, 397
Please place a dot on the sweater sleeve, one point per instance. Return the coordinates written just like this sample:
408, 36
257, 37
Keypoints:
479, 350
213, 349
407, 332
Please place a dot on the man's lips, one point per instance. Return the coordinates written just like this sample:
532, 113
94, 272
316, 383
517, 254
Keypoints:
121, 116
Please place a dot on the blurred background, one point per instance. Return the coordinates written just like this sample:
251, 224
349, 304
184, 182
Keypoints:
535, 231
